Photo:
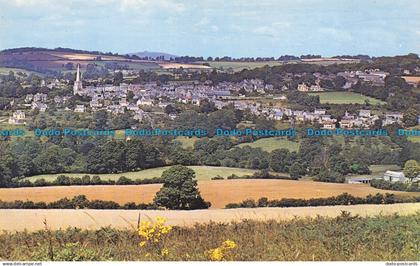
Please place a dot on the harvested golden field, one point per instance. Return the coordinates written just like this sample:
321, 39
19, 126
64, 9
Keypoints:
86, 56
218, 192
32, 220
179, 65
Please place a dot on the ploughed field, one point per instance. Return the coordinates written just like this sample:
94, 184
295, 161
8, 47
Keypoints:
218, 192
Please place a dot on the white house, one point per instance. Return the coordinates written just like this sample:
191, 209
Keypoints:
302, 87
18, 118
79, 109
41, 106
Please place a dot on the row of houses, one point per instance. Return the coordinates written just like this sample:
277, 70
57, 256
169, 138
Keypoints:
375, 77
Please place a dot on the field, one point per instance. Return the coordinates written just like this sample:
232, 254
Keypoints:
238, 66
6, 70
95, 219
201, 172
55, 60
414, 138
345, 97
186, 142
270, 144
343, 238
166, 65
218, 192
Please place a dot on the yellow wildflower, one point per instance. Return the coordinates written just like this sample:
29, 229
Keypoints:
229, 244
216, 254
152, 234
164, 252
222, 252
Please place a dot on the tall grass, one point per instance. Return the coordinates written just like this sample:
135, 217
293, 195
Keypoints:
346, 237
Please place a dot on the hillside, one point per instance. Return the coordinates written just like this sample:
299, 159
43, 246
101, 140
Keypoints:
52, 61
60, 59
154, 55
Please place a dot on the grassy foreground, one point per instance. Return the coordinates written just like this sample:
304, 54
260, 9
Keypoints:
346, 237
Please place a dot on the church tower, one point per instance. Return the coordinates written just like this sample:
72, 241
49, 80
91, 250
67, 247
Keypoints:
78, 87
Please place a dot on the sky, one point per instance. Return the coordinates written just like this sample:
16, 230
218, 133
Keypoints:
237, 28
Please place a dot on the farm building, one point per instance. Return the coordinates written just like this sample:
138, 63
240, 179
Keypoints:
397, 177
394, 176
360, 180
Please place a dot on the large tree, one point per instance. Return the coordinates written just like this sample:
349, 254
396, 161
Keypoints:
179, 190
411, 169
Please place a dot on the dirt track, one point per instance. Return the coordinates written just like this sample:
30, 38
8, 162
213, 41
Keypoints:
31, 220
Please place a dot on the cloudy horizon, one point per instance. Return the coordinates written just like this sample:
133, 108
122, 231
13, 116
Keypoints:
234, 28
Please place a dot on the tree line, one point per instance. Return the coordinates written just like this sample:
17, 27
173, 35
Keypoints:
342, 199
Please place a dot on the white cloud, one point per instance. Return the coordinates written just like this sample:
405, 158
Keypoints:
27, 3
336, 34
274, 30
266, 30
203, 21
149, 5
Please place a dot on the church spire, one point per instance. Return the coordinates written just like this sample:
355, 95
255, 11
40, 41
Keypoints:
78, 86
78, 73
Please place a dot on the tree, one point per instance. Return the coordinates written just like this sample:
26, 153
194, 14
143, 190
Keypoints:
297, 170
170, 109
179, 190
411, 169
207, 106
410, 117
183, 157
278, 160
101, 119
118, 78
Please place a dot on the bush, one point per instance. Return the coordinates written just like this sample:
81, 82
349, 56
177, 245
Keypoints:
263, 202
124, 181
398, 186
77, 202
40, 183
218, 177
63, 180
342, 199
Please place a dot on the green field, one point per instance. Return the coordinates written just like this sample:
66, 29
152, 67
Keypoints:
186, 142
414, 138
345, 97
202, 173
6, 70
270, 144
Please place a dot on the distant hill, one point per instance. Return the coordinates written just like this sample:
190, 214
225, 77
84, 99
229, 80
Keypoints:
52, 61
154, 55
